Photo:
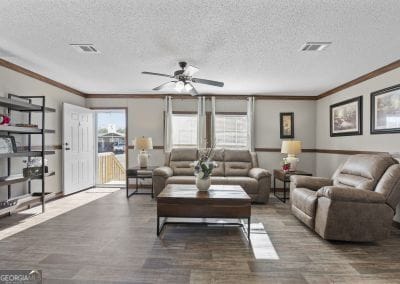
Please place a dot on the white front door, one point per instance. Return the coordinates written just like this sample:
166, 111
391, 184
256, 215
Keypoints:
78, 148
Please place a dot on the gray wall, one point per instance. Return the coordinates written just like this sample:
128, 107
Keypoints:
145, 117
18, 84
327, 163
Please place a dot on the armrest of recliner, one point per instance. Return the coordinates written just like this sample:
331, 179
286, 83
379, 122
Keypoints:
258, 173
309, 182
350, 194
163, 172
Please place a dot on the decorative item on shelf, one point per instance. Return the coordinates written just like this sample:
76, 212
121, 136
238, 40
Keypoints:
203, 168
7, 144
291, 148
143, 144
4, 119
34, 168
285, 165
27, 125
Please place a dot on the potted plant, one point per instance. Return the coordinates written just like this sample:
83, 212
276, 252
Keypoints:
203, 169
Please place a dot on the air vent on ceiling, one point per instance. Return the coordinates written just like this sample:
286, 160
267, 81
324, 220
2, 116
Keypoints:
315, 46
85, 48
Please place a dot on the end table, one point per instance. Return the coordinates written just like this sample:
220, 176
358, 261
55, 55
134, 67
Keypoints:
285, 178
139, 173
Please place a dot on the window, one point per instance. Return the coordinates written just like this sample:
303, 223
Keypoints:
231, 131
184, 130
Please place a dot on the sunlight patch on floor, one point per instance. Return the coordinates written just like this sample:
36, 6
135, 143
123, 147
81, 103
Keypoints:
20, 221
261, 243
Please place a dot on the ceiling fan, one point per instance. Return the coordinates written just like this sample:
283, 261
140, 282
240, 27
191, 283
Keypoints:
184, 79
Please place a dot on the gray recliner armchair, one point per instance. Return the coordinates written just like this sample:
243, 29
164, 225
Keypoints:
357, 204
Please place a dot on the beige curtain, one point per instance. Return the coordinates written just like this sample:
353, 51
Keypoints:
168, 124
250, 123
201, 123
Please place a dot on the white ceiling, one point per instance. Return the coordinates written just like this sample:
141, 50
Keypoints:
253, 46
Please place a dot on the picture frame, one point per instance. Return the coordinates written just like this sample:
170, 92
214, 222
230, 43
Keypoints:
346, 117
286, 125
7, 144
385, 110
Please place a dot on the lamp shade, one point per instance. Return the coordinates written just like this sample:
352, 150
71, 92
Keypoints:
291, 147
143, 143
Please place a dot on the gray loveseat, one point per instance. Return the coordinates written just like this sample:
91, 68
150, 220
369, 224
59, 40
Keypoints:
357, 204
234, 167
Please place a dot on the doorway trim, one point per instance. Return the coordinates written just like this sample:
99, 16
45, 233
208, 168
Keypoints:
125, 109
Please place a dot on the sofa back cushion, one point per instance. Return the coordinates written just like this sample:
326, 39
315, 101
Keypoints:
389, 185
218, 158
362, 171
237, 162
180, 160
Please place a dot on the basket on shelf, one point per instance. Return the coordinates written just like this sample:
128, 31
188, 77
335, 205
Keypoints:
34, 172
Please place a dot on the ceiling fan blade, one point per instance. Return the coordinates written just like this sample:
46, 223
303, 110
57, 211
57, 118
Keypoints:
190, 70
157, 74
191, 90
208, 82
162, 86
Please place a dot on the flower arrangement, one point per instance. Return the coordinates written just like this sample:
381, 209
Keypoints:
203, 166
285, 165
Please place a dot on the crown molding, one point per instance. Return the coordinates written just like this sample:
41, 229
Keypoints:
258, 96
365, 77
39, 77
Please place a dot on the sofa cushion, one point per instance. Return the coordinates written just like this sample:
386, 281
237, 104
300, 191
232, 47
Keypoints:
181, 180
182, 168
237, 156
389, 186
237, 169
218, 157
250, 185
183, 154
363, 171
180, 160
305, 200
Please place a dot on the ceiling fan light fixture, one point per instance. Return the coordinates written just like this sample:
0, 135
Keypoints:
188, 87
179, 86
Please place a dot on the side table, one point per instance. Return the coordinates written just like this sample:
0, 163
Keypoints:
139, 173
285, 178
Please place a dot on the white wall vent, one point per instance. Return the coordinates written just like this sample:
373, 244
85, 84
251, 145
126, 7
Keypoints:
315, 46
85, 48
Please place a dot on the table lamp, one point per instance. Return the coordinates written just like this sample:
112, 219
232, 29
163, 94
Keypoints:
291, 148
142, 144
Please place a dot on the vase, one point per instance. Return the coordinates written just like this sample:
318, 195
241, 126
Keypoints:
203, 184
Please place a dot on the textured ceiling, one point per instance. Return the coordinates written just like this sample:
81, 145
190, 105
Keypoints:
253, 46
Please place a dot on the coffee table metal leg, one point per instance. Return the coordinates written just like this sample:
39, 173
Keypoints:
284, 192
248, 228
158, 226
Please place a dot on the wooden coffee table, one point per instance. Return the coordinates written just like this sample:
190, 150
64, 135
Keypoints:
220, 201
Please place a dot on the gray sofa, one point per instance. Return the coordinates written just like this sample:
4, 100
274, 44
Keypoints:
234, 167
357, 204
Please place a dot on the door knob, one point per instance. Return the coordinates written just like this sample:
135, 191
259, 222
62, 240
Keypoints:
66, 147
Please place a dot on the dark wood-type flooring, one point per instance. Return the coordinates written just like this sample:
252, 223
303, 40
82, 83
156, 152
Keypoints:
113, 240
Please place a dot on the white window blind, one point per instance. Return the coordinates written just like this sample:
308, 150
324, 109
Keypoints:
184, 133
231, 131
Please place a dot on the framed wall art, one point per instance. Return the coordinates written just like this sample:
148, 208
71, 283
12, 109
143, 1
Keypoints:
346, 118
385, 110
286, 125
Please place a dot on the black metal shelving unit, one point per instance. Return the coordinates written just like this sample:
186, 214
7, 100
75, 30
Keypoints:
24, 104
